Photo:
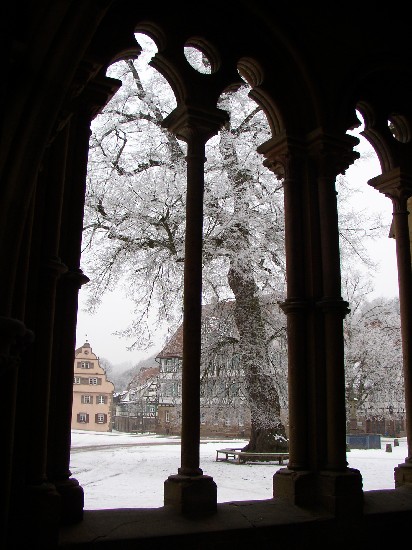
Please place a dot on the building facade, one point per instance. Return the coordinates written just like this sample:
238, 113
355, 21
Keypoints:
92, 393
224, 410
153, 401
136, 408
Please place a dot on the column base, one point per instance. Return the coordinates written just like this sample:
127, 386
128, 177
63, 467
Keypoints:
35, 521
403, 474
191, 495
72, 500
341, 493
297, 487
338, 492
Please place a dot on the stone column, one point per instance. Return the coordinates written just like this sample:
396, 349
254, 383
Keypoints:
37, 501
97, 94
190, 491
333, 156
286, 162
334, 309
59, 443
398, 187
64, 340
13, 339
286, 158
315, 311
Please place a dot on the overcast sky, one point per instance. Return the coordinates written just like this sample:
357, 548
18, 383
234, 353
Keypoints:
116, 310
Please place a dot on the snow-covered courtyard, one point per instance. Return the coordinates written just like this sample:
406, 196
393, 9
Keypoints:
119, 470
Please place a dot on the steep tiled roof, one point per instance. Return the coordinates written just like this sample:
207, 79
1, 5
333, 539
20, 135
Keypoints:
143, 376
174, 347
223, 311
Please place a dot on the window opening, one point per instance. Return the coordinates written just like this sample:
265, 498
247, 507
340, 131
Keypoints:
373, 357
201, 55
221, 209
399, 127
240, 214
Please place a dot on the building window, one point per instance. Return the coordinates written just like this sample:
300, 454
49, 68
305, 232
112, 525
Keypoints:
101, 399
86, 399
84, 365
176, 389
167, 416
93, 381
170, 365
101, 418
76, 380
83, 418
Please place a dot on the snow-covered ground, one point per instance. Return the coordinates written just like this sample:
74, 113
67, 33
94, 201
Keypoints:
118, 470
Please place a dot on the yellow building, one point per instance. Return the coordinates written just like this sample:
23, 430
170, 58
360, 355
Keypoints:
92, 393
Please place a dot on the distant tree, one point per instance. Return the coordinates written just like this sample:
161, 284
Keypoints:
373, 359
106, 365
122, 378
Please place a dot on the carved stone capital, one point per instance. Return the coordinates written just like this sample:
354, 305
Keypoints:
76, 277
283, 156
89, 98
396, 185
194, 123
332, 155
55, 267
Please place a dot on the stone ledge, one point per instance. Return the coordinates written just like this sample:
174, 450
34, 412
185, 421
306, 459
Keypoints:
263, 523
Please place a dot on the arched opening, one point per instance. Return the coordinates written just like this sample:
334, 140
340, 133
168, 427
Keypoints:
375, 393
134, 233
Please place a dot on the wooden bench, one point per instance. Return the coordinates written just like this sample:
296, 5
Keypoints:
241, 457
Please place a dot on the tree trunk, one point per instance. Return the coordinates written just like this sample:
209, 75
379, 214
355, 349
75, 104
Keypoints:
268, 433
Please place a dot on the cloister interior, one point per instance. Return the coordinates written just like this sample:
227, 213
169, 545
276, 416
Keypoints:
310, 70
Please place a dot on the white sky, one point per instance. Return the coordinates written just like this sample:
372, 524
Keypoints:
113, 315
132, 475
383, 250
116, 310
